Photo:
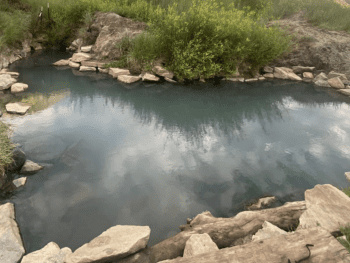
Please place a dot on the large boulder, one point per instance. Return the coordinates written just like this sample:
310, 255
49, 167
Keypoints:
109, 30
328, 206
11, 245
115, 243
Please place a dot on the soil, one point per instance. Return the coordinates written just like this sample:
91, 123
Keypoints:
324, 49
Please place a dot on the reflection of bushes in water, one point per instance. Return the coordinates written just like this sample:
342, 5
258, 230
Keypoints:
38, 101
41, 101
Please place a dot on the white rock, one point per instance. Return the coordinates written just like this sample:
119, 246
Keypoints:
128, 79
62, 62
86, 49
115, 72
18, 87
84, 68
12, 74
326, 205
115, 243
308, 75
20, 182
6, 81
17, 107
30, 167
336, 83
11, 246
269, 230
149, 77
251, 80
73, 64
51, 253
79, 57
199, 244
103, 70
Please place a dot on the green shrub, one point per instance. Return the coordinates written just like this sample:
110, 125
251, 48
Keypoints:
12, 26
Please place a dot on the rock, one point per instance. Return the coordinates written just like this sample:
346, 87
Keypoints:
281, 248
0, 113
170, 80
149, 77
327, 49
109, 29
308, 75
30, 167
62, 62
251, 80
19, 158
11, 245
199, 244
301, 69
17, 107
51, 253
128, 79
115, 243
86, 49
221, 230
285, 73
322, 83
84, 68
12, 74
268, 75
336, 83
6, 81
345, 91
262, 203
347, 175
326, 205
268, 69
268, 230
18, 87
76, 44
18, 183
163, 72
79, 57
320, 76
73, 64
115, 72
92, 64
333, 74
103, 70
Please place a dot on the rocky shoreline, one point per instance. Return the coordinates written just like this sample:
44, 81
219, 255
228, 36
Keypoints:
257, 235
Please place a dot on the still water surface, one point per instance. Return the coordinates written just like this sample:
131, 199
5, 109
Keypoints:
156, 154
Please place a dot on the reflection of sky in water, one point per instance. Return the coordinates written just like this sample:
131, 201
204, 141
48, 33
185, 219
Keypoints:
135, 162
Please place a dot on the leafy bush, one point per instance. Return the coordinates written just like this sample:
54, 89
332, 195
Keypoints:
12, 26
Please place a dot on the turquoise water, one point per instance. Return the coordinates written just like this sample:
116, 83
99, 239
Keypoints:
156, 154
